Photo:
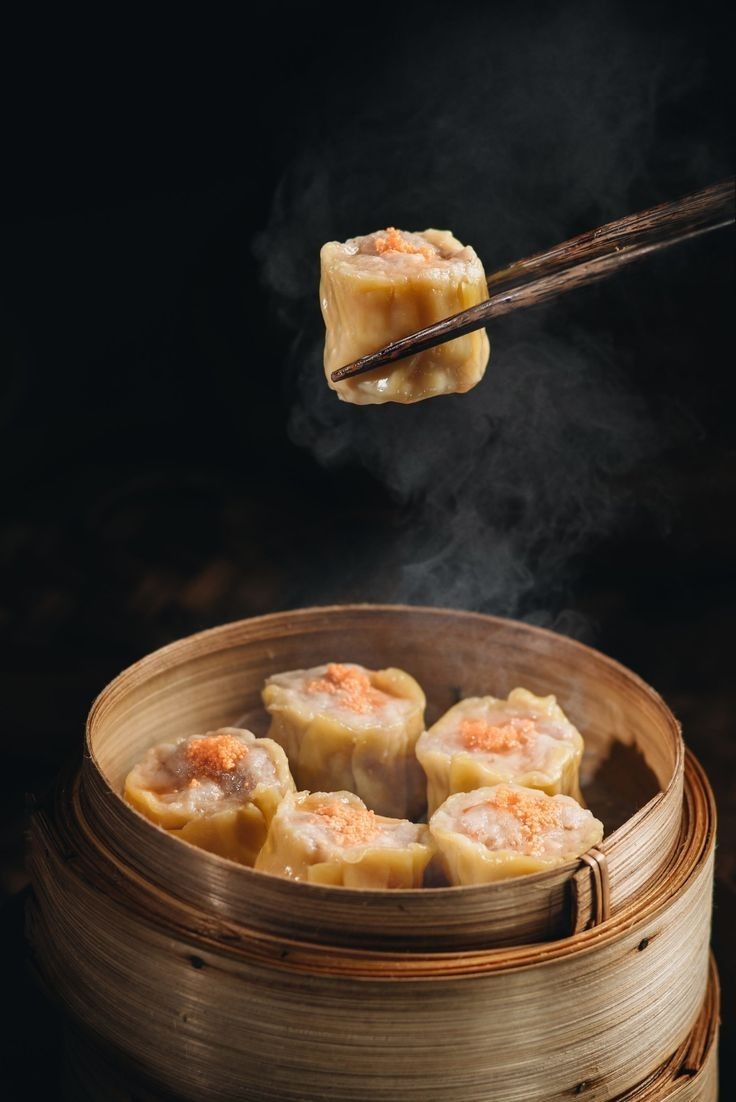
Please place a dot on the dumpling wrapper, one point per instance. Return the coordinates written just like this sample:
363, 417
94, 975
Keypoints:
526, 740
508, 830
345, 727
218, 791
332, 838
383, 286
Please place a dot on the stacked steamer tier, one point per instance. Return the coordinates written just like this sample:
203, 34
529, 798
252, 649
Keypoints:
187, 976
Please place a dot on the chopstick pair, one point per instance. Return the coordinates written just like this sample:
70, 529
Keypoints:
584, 259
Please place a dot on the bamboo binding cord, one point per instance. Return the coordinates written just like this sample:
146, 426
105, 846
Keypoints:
632, 772
600, 884
199, 979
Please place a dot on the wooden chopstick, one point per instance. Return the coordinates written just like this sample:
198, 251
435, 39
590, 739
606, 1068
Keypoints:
581, 260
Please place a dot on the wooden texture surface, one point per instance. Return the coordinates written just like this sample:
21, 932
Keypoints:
92, 1073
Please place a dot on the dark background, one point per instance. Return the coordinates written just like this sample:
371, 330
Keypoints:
171, 457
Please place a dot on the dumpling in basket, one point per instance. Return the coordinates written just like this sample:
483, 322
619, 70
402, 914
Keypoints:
346, 727
332, 838
383, 286
218, 791
504, 831
526, 739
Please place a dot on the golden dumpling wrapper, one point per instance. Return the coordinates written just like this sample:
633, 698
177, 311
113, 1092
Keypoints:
333, 838
347, 728
526, 740
383, 286
218, 791
508, 830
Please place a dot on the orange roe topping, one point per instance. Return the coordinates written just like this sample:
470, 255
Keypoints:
352, 686
477, 734
393, 241
352, 825
215, 754
535, 813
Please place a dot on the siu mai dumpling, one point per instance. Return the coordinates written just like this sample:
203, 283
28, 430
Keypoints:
527, 740
383, 286
218, 791
504, 831
346, 727
332, 838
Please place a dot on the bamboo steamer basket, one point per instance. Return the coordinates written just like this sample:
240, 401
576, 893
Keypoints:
632, 772
200, 979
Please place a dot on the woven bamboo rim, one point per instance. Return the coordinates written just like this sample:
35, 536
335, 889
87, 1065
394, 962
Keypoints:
204, 1008
214, 677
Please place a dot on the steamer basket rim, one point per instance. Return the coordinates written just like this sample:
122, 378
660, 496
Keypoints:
159, 660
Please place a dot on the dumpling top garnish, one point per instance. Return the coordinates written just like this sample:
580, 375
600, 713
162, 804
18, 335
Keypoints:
332, 838
219, 790
383, 286
345, 727
508, 830
481, 741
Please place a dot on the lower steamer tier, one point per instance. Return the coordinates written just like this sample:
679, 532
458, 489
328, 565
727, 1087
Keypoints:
690, 1075
170, 995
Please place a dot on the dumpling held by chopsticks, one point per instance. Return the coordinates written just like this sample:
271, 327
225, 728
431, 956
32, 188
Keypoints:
378, 288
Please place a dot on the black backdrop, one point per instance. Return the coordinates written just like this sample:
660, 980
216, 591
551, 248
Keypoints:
171, 458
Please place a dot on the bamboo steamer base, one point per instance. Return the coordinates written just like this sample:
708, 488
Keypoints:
690, 1075
213, 1012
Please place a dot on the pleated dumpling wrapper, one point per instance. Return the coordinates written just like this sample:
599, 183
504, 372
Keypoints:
332, 838
527, 740
386, 285
218, 791
507, 830
346, 727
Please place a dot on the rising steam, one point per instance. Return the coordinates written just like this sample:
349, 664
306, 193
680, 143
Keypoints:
526, 135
